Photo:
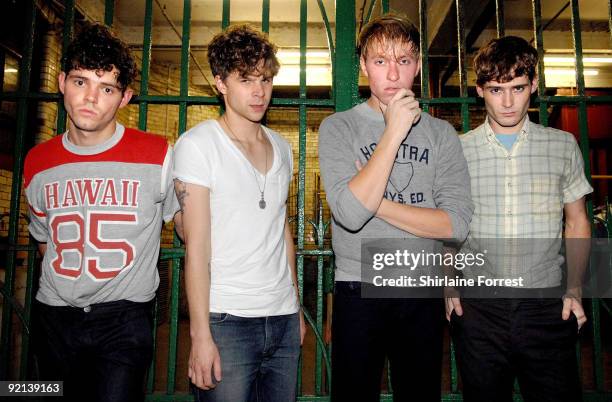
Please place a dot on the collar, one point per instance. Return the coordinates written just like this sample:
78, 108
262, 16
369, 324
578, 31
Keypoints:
522, 136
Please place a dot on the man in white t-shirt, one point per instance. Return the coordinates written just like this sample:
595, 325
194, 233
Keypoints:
232, 177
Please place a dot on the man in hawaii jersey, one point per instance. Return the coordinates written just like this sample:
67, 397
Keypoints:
97, 196
232, 176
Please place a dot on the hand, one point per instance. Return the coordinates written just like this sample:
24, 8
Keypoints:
204, 360
572, 304
401, 113
302, 328
453, 303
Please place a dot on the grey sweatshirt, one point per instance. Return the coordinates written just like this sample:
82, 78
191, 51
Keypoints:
429, 171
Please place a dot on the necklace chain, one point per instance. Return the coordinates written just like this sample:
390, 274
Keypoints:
262, 201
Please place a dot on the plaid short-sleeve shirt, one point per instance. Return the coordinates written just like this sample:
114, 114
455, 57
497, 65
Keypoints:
520, 193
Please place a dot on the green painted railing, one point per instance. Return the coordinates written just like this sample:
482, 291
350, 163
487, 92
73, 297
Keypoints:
343, 95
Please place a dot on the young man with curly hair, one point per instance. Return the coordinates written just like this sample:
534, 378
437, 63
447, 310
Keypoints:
97, 195
525, 179
232, 177
390, 171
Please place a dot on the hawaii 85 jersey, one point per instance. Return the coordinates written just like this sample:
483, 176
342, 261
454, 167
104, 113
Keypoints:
100, 211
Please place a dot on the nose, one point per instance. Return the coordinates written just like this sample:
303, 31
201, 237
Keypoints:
91, 94
258, 88
507, 99
392, 71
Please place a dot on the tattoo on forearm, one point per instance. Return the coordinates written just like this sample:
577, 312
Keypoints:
181, 193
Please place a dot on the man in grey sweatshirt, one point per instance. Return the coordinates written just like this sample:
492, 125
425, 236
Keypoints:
390, 171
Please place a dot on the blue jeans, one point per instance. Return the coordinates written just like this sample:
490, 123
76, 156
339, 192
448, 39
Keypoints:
259, 358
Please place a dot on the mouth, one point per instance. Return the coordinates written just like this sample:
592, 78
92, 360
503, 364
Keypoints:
87, 112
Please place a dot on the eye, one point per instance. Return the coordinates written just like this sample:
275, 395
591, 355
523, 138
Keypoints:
108, 90
79, 83
519, 89
405, 61
379, 61
495, 90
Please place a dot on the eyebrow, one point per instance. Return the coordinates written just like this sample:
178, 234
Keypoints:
104, 83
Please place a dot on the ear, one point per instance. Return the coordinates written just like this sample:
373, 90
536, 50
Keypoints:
418, 69
221, 87
127, 95
61, 81
362, 65
534, 84
480, 91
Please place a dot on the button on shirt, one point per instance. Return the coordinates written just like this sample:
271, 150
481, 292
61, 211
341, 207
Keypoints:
520, 193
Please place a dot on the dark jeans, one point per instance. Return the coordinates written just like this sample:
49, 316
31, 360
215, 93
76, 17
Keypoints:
498, 340
101, 354
365, 331
259, 358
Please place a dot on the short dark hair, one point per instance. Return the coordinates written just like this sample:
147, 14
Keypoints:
504, 59
241, 48
97, 48
389, 27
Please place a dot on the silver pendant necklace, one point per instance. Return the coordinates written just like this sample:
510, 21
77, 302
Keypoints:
262, 201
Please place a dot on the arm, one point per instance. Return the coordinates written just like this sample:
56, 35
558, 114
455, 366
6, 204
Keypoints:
370, 183
577, 241
42, 249
349, 195
291, 258
204, 357
422, 222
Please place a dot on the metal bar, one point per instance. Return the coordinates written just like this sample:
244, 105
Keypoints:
178, 34
370, 9
25, 70
176, 265
330, 38
265, 16
384, 6
225, 17
345, 78
27, 310
302, 176
499, 17
109, 12
66, 38
461, 63
151, 372
424, 44
610, 18
584, 145
147, 40
538, 35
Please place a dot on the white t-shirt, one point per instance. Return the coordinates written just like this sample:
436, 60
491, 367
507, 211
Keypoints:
250, 273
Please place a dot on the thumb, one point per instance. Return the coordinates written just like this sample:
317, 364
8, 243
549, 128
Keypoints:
217, 368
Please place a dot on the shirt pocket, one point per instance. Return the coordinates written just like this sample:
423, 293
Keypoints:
545, 197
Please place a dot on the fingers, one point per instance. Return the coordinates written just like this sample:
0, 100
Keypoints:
457, 304
217, 368
358, 165
573, 305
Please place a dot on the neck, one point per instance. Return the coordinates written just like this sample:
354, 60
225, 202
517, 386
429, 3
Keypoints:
375, 104
85, 138
242, 129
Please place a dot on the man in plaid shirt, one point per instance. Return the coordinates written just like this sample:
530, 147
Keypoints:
525, 178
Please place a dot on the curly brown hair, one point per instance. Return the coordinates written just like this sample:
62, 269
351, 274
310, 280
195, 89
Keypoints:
389, 27
504, 59
96, 48
242, 48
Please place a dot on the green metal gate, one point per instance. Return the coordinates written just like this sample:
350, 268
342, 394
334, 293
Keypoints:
344, 94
